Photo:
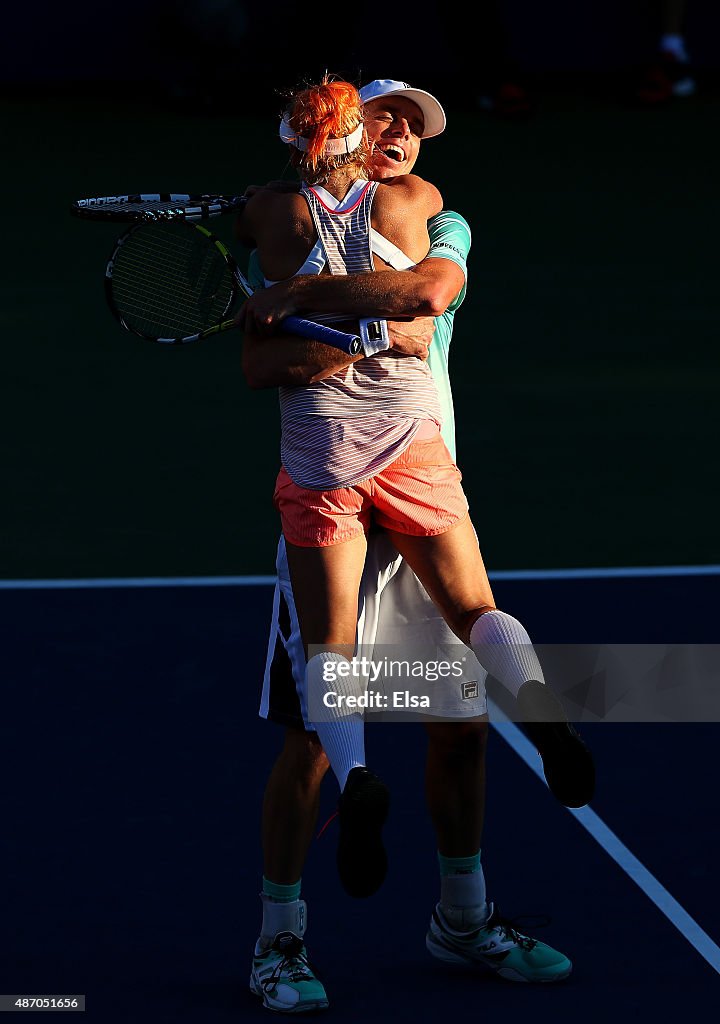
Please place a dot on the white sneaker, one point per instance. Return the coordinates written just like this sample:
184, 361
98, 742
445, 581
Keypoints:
498, 946
283, 978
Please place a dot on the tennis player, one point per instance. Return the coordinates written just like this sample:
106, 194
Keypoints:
390, 597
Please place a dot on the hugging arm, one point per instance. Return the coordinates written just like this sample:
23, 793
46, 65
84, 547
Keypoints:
284, 360
424, 290
413, 297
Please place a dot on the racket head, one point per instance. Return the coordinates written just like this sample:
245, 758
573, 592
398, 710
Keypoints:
171, 282
156, 206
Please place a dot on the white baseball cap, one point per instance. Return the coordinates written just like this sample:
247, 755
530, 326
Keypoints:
433, 113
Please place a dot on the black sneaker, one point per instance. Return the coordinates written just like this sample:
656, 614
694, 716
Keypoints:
567, 762
362, 810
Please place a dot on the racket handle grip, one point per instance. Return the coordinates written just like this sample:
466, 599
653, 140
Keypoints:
349, 343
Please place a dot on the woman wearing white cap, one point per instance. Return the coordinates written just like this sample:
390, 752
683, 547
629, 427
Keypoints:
327, 544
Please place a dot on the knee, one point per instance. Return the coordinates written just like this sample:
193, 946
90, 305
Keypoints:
458, 741
467, 620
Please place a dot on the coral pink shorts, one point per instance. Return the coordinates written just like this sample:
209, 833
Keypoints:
420, 493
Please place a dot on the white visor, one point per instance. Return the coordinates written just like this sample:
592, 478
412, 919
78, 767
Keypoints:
333, 147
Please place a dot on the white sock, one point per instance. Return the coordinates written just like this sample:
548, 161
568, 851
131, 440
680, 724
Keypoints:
280, 917
502, 646
463, 901
341, 732
674, 44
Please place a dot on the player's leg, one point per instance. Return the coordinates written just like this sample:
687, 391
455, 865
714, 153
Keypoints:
398, 612
325, 547
291, 805
455, 795
401, 619
465, 928
419, 500
281, 974
326, 583
455, 784
451, 568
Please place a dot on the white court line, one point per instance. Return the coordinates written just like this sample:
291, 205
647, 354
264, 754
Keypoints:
638, 572
653, 889
140, 581
620, 572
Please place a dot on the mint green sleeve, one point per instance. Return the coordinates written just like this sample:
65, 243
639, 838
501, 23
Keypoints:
450, 239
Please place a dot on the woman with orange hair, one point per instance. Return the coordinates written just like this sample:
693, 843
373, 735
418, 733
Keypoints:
362, 446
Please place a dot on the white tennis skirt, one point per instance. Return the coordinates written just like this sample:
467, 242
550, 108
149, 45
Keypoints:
416, 668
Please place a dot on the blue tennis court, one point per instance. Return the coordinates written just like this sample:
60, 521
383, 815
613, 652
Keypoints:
134, 764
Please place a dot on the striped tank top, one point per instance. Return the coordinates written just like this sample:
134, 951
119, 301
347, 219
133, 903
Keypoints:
350, 426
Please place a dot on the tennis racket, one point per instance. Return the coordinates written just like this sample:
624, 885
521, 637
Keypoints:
174, 282
154, 206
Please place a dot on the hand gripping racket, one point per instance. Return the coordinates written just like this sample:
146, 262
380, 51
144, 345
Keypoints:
154, 206
172, 281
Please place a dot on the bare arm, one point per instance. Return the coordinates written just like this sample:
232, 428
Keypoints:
425, 290
283, 360
274, 360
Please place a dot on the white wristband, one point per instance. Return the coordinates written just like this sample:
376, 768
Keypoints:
374, 336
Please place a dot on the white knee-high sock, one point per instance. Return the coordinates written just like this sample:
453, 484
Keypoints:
341, 729
502, 646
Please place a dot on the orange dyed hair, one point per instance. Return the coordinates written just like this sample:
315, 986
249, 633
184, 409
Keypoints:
331, 109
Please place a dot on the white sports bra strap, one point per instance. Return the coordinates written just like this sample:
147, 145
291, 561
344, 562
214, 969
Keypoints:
385, 249
340, 205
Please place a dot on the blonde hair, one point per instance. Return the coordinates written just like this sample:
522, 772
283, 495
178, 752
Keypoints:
332, 109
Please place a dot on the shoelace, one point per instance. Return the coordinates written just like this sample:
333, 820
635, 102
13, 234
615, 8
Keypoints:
509, 933
332, 817
508, 928
296, 967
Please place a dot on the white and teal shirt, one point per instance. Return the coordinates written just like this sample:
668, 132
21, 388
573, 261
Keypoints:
450, 238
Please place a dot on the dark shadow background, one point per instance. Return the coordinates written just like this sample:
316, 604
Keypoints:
586, 378
584, 362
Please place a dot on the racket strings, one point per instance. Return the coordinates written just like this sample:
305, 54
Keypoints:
171, 278
169, 311
168, 280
